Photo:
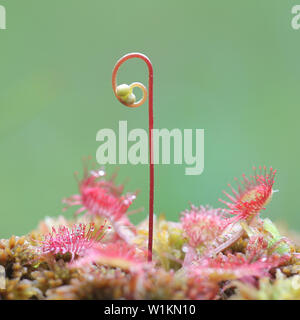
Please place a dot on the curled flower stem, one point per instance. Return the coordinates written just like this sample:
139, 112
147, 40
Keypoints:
124, 94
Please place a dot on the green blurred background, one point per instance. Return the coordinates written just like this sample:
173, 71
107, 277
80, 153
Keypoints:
230, 67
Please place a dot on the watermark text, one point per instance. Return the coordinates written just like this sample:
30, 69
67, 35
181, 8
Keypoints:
133, 147
2, 278
296, 19
2, 18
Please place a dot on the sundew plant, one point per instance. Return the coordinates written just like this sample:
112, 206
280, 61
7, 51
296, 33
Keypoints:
230, 252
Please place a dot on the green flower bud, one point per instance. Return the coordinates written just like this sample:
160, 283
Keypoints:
130, 99
123, 90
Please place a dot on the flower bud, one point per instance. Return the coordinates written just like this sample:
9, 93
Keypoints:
123, 90
130, 99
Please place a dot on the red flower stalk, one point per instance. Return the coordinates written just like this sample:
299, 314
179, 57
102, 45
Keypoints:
252, 196
99, 197
74, 241
118, 254
202, 224
125, 95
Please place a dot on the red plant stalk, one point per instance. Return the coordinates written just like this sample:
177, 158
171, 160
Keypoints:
129, 101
